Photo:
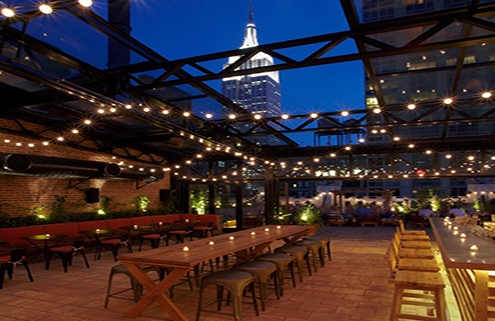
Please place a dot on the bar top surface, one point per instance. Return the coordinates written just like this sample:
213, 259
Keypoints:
457, 251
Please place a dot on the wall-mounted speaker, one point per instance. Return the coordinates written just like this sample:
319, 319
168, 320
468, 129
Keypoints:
92, 195
164, 195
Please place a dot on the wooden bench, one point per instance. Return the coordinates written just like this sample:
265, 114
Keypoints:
369, 220
337, 222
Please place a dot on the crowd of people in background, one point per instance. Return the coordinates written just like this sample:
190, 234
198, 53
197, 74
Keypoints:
355, 213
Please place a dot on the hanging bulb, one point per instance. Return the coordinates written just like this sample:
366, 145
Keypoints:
45, 8
8, 12
86, 3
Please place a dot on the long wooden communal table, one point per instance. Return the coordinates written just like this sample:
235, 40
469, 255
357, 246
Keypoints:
180, 260
471, 272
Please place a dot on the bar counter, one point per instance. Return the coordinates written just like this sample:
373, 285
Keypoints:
470, 265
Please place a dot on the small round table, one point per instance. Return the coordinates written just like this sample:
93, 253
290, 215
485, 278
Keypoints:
94, 237
46, 238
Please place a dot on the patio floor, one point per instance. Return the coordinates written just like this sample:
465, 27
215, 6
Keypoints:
352, 287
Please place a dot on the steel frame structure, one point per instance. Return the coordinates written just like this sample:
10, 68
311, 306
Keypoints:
59, 104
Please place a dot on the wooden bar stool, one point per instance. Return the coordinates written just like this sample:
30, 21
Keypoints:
410, 264
325, 242
263, 271
235, 282
282, 261
411, 243
411, 252
418, 289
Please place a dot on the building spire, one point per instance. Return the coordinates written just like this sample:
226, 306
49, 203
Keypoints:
250, 37
250, 11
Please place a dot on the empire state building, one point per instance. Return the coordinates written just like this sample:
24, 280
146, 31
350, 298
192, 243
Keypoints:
257, 93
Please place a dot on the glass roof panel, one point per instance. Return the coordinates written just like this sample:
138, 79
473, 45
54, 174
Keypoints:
474, 81
64, 31
373, 10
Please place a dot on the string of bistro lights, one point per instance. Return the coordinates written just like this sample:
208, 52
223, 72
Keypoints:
102, 109
106, 106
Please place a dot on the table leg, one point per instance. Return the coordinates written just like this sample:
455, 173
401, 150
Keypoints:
47, 258
253, 253
295, 237
156, 292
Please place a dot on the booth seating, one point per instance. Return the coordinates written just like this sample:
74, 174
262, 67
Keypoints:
14, 235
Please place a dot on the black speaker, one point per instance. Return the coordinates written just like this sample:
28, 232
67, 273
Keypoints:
92, 195
164, 195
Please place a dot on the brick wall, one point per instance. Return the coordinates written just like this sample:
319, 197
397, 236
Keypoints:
22, 195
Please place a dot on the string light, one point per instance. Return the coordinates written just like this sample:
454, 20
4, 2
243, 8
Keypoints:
8, 12
86, 3
486, 94
45, 8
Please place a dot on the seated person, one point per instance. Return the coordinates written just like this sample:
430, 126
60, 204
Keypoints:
469, 209
427, 212
363, 211
454, 211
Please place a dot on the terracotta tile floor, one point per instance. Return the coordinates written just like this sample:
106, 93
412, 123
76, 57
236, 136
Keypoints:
352, 287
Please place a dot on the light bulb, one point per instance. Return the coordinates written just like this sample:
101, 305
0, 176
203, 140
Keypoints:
45, 8
8, 12
86, 3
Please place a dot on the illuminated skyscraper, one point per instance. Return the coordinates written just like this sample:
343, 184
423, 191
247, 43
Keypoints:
257, 93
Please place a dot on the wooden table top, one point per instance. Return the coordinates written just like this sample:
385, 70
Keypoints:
216, 246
